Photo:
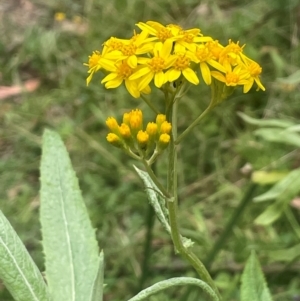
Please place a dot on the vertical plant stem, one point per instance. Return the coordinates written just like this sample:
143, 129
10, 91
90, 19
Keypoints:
173, 208
147, 247
230, 224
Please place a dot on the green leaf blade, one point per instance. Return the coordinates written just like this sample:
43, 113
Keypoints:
288, 187
254, 286
155, 199
69, 242
97, 290
282, 123
17, 270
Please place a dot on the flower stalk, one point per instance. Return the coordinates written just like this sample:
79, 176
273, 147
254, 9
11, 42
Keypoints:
173, 208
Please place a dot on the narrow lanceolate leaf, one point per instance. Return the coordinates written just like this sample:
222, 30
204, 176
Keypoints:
155, 198
179, 281
282, 123
254, 286
283, 192
69, 240
289, 186
18, 272
97, 289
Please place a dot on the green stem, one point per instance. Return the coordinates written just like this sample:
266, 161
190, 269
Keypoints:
155, 180
230, 224
147, 247
173, 207
193, 124
150, 104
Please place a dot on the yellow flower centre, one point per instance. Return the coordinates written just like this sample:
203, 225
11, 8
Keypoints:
94, 59
214, 49
164, 34
232, 78
156, 64
254, 69
182, 62
114, 44
234, 47
129, 50
187, 37
203, 54
124, 71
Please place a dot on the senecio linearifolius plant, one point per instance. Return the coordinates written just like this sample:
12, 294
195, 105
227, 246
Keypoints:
174, 59
171, 59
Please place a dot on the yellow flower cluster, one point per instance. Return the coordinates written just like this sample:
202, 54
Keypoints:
165, 54
132, 137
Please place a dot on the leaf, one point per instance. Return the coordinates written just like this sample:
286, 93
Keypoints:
262, 177
289, 185
158, 203
254, 286
266, 122
19, 273
162, 285
285, 255
97, 289
155, 199
68, 237
279, 136
271, 214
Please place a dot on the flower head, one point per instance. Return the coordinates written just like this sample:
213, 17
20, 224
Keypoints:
164, 54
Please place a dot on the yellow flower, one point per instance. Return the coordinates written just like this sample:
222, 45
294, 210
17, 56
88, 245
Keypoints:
230, 55
205, 57
154, 67
161, 32
188, 39
182, 66
120, 72
254, 71
59, 16
232, 77
100, 60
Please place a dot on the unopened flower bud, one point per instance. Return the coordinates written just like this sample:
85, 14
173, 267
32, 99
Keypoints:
142, 138
165, 127
163, 142
112, 124
114, 140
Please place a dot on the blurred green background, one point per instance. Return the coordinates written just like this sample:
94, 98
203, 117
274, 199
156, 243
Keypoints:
44, 54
